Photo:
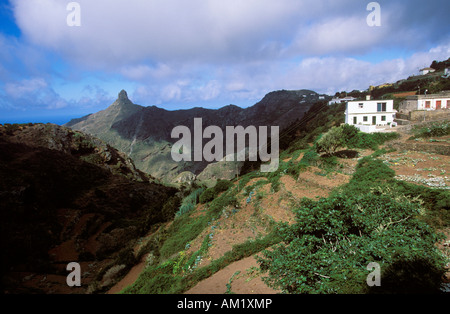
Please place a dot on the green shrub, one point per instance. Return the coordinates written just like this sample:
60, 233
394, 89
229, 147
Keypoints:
434, 130
309, 158
370, 141
331, 141
336, 238
372, 170
189, 202
222, 186
374, 218
207, 196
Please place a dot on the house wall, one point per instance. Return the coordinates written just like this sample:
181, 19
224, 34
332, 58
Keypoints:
366, 112
431, 103
420, 103
367, 128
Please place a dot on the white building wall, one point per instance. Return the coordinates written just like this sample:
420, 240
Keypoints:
433, 103
366, 112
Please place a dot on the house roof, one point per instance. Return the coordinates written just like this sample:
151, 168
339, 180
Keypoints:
443, 94
429, 69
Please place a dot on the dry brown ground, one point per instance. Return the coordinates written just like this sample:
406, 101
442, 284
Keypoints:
251, 221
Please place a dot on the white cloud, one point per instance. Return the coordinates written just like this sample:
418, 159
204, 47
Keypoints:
331, 74
145, 72
25, 87
133, 30
215, 52
338, 35
33, 93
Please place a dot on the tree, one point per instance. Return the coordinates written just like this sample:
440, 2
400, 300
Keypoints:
335, 138
349, 132
330, 141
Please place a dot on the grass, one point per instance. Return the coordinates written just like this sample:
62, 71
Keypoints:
437, 129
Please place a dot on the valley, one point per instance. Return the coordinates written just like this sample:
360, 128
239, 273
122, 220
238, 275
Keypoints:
105, 191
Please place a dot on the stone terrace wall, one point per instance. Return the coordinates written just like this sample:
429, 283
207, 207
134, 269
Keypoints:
429, 115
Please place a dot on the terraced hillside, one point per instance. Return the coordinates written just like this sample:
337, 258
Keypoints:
223, 245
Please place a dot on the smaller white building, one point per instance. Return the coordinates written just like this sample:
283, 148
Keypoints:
367, 114
426, 102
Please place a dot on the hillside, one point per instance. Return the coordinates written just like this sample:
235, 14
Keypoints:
144, 133
416, 84
68, 197
311, 227
223, 243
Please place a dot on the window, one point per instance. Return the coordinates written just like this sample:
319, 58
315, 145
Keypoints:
428, 104
381, 107
448, 104
361, 105
355, 120
365, 119
383, 118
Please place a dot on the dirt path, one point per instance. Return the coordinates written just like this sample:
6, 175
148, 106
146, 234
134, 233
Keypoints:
241, 276
130, 278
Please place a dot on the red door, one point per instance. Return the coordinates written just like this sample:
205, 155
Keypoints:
438, 104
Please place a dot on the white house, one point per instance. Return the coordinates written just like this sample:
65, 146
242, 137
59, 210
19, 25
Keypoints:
367, 114
425, 71
426, 102
337, 100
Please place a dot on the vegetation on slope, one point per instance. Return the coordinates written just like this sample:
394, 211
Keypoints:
372, 219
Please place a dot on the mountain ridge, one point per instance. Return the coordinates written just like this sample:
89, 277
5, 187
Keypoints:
144, 133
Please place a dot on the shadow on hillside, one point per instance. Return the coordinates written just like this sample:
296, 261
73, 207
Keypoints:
418, 276
344, 154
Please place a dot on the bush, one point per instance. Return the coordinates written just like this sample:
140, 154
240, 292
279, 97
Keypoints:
434, 130
374, 218
373, 171
189, 202
222, 186
209, 194
331, 141
370, 141
336, 238
309, 158
336, 137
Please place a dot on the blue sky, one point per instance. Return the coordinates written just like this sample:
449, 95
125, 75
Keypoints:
178, 54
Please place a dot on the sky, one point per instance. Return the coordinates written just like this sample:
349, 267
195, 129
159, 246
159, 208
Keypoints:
64, 59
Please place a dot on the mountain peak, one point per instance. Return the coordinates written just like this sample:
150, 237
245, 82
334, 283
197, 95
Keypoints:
123, 95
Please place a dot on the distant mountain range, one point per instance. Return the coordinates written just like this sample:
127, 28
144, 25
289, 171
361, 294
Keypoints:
144, 133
